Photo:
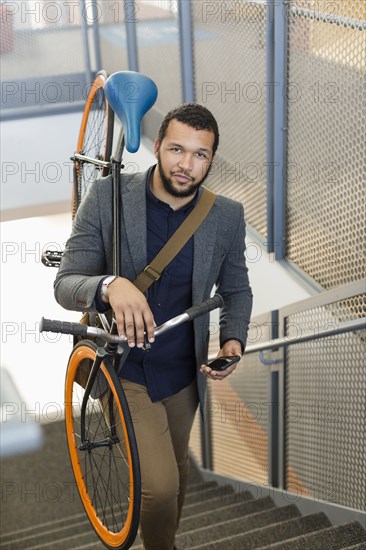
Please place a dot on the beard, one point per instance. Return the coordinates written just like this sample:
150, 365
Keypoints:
169, 187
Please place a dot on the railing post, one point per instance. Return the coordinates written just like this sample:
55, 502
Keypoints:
270, 49
130, 22
281, 440
280, 125
95, 24
186, 50
84, 23
275, 408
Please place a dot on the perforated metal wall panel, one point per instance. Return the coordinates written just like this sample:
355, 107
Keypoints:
229, 58
112, 34
326, 222
42, 54
239, 411
158, 46
326, 406
40, 38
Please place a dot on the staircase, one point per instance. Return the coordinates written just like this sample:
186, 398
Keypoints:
41, 512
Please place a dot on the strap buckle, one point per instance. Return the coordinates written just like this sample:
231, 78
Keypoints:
152, 273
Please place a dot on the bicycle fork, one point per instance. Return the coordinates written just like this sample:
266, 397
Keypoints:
86, 444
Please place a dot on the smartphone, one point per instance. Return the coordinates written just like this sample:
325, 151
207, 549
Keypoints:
222, 363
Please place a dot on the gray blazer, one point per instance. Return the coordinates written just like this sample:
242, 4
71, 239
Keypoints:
218, 258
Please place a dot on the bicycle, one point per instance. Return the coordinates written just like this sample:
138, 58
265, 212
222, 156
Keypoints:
99, 424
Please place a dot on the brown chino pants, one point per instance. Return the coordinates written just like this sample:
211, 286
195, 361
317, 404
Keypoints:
162, 432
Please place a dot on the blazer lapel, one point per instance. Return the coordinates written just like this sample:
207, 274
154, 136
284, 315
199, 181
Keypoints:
133, 197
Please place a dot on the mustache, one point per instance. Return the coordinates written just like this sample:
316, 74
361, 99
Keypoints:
183, 174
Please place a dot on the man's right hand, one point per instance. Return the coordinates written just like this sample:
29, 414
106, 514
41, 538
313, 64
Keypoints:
132, 312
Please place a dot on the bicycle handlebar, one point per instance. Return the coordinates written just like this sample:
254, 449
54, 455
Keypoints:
204, 307
78, 329
63, 327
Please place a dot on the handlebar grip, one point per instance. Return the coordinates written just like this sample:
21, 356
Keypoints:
204, 307
76, 329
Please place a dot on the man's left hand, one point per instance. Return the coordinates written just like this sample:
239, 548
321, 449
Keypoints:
229, 349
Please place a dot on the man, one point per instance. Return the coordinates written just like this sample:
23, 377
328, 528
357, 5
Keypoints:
166, 383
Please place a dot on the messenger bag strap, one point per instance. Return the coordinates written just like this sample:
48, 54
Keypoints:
153, 271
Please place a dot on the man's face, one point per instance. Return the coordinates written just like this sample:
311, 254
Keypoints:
184, 158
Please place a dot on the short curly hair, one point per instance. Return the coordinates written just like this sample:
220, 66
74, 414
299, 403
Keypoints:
194, 115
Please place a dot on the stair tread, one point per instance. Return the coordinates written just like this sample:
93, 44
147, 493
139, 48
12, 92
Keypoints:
217, 502
259, 520
193, 487
241, 509
267, 535
57, 524
62, 543
40, 538
337, 536
207, 493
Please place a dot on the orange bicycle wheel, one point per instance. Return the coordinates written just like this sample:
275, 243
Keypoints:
105, 464
95, 139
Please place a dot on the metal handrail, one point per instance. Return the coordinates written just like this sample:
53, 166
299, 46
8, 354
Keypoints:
350, 326
340, 20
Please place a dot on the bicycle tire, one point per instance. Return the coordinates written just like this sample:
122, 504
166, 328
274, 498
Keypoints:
107, 477
95, 139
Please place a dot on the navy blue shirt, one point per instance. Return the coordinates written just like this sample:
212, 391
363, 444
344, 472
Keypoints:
169, 366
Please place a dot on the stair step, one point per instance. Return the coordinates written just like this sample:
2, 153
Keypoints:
68, 541
258, 538
236, 525
97, 545
42, 534
29, 532
215, 503
197, 486
206, 493
230, 511
89, 546
336, 538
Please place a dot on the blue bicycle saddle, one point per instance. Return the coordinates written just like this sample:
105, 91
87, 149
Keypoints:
131, 95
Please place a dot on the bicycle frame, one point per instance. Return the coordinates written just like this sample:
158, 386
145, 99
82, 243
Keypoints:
100, 356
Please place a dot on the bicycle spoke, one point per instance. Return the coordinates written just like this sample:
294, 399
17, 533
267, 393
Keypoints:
95, 140
96, 128
95, 430
108, 492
